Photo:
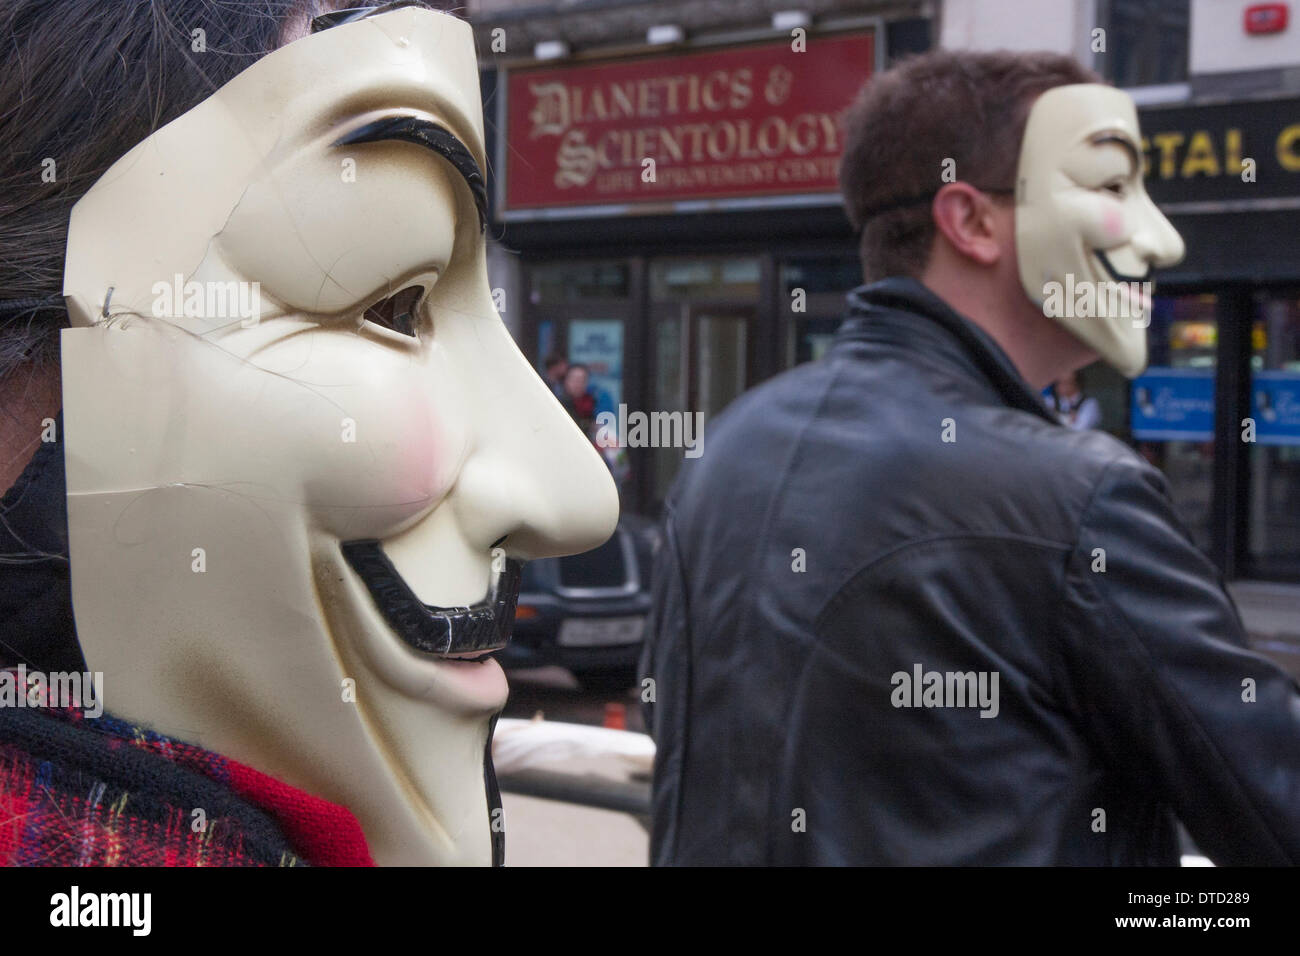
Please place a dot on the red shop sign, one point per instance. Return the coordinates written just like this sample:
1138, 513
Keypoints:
760, 120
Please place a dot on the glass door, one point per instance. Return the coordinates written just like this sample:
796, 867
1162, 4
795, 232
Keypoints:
703, 318
702, 361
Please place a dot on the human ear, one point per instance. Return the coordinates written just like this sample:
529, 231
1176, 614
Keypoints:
966, 218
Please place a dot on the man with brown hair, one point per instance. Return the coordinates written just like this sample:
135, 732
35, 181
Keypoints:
902, 615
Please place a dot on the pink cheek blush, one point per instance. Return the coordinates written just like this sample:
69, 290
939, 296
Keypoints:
419, 470
422, 461
1113, 223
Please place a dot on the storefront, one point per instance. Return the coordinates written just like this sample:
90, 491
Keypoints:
684, 281
678, 220
1219, 409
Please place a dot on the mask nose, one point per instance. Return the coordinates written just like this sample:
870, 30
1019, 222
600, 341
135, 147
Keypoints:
528, 479
535, 480
1157, 240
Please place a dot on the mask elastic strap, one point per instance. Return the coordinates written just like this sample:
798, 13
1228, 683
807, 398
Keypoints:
893, 204
51, 303
352, 14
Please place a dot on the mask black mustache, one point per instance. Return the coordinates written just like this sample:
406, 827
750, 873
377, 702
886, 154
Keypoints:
482, 627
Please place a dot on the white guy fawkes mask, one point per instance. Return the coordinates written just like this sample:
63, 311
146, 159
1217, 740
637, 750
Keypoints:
286, 526
1084, 220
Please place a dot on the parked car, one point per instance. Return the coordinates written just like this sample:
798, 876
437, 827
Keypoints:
587, 612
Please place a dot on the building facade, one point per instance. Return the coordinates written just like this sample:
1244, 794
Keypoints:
665, 212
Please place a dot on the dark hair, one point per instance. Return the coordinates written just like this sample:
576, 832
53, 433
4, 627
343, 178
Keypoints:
555, 359
578, 366
905, 124
85, 81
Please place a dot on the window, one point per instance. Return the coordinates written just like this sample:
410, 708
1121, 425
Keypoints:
1172, 406
1274, 537
704, 278
813, 291
1146, 41
578, 281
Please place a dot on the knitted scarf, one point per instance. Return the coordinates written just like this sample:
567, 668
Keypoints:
96, 791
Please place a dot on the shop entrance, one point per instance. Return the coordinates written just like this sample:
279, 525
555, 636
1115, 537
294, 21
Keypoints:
704, 314
679, 335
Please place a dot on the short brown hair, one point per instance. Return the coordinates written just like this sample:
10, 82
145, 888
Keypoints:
944, 105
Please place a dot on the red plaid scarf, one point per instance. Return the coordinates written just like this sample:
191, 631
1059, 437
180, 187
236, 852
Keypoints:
83, 791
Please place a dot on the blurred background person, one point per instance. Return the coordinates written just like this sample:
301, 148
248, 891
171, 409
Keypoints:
578, 399
556, 367
1073, 407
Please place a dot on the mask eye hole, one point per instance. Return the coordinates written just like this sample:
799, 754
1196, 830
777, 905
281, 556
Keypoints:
398, 312
1116, 187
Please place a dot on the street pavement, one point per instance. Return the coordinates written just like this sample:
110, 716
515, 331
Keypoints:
543, 832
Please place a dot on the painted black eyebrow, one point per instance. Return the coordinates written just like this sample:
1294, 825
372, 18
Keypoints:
422, 132
1123, 142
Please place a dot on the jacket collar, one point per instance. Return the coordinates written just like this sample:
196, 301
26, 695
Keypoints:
888, 311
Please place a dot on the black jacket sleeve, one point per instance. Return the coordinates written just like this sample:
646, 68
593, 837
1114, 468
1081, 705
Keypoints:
666, 659
1157, 668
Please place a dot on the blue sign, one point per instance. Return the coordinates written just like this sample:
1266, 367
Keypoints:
1275, 406
1173, 404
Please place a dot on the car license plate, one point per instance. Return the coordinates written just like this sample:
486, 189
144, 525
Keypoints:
600, 631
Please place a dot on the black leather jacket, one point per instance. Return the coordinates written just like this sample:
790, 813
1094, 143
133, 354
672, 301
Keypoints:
830, 540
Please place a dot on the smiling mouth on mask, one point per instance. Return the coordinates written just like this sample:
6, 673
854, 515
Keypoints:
469, 632
1114, 273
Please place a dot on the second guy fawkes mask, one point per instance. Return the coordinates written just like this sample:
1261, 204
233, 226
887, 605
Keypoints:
1084, 220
